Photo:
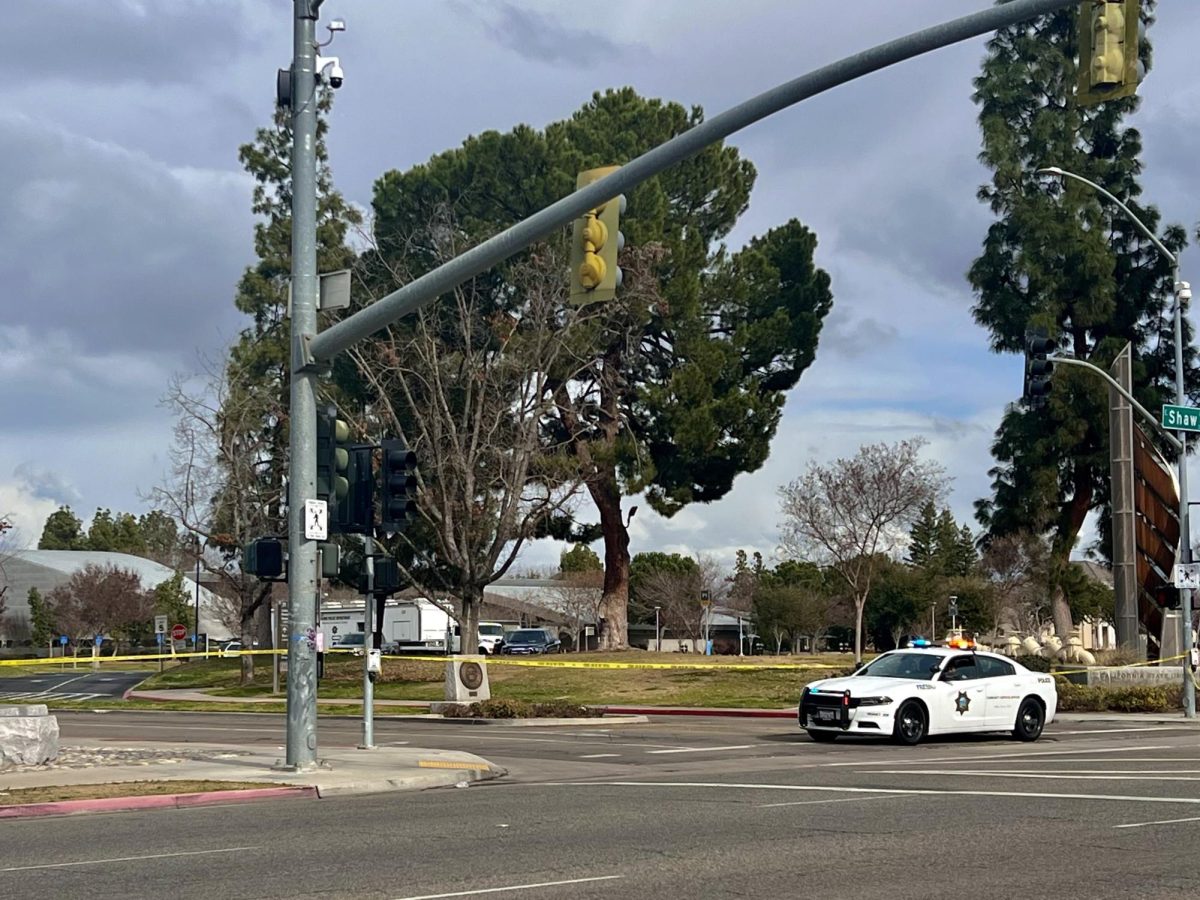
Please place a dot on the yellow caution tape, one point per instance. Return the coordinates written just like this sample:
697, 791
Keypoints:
495, 661
1150, 662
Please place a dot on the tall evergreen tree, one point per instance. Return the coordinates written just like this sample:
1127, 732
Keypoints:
1059, 258
681, 394
62, 531
922, 537
41, 618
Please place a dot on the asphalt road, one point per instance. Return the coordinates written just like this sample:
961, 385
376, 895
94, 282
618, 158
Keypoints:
72, 684
676, 809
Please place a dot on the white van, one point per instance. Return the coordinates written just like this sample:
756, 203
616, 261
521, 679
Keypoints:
491, 636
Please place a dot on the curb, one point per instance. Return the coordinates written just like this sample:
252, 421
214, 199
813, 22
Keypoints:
695, 711
155, 801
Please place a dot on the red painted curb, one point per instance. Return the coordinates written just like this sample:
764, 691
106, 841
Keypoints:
157, 801
680, 711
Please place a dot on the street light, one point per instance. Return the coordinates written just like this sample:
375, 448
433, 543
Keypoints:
1183, 293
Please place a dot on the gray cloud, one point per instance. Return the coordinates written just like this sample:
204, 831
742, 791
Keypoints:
149, 41
545, 39
118, 250
46, 485
853, 339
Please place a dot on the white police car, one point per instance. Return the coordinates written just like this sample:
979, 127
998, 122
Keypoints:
926, 690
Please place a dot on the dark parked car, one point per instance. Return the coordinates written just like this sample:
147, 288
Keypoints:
530, 640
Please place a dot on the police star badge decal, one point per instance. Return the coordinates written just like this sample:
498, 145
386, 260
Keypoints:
962, 702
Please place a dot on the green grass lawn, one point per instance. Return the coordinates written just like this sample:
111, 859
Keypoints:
700, 681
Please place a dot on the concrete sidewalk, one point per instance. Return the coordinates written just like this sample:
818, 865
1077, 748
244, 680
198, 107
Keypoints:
339, 771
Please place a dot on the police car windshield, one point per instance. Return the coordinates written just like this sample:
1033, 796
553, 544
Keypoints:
917, 666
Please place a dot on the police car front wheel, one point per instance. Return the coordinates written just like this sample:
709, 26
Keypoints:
911, 724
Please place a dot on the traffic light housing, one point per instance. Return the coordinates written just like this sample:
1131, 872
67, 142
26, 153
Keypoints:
263, 558
397, 485
1166, 596
1038, 368
333, 459
355, 512
1110, 32
596, 239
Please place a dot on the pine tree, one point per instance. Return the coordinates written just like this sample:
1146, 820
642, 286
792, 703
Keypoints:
922, 539
41, 618
1059, 258
62, 531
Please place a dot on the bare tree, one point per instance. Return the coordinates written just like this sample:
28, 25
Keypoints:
853, 512
100, 600
577, 595
1017, 568
226, 485
466, 387
678, 593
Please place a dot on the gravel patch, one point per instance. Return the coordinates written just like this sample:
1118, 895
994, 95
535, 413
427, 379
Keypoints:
95, 757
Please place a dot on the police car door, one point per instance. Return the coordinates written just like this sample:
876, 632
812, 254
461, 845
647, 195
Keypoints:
961, 697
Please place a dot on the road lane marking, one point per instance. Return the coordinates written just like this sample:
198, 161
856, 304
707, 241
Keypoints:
1056, 732
1056, 776
1025, 755
512, 887
929, 792
705, 749
831, 800
1159, 822
599, 755
65, 683
117, 859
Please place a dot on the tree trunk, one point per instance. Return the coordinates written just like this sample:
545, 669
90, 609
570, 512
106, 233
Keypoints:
859, 605
1064, 624
247, 638
614, 602
468, 625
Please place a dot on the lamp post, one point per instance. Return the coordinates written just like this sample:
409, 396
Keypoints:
1183, 292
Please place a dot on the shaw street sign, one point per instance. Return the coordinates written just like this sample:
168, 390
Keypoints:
1181, 418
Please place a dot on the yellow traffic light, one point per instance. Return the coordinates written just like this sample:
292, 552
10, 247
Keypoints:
595, 241
1109, 34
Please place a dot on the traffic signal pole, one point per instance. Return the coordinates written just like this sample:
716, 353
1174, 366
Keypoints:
310, 348
302, 466
424, 290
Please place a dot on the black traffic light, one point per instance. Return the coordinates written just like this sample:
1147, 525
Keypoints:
333, 459
1038, 368
397, 486
1167, 597
355, 512
263, 557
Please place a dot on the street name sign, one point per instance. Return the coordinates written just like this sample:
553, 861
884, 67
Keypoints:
1181, 418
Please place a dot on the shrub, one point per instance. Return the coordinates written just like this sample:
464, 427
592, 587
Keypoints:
519, 709
1133, 698
1116, 656
1034, 663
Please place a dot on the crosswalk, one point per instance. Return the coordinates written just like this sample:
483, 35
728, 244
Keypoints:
43, 696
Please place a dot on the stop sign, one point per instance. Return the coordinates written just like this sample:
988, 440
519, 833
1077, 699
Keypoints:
178, 633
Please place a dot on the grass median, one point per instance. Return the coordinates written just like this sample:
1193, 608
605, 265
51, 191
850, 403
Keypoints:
775, 682
23, 796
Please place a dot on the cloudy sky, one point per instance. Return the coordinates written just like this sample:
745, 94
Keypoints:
125, 216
